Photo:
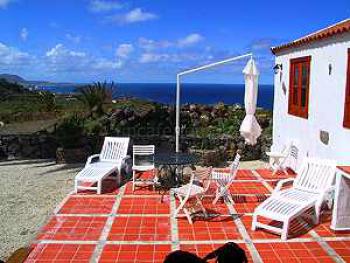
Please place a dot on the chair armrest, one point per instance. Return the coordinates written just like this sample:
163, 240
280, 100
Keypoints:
125, 159
276, 154
328, 192
91, 158
281, 183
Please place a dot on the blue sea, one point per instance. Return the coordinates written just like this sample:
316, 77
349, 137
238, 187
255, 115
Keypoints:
190, 93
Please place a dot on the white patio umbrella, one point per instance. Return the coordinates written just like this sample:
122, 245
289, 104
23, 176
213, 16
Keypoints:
250, 128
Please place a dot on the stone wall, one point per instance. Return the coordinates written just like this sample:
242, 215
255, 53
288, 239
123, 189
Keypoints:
34, 146
31, 146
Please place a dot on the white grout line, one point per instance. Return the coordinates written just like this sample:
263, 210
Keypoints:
67, 242
113, 214
165, 242
335, 256
206, 242
60, 205
262, 180
175, 245
242, 230
107, 228
192, 242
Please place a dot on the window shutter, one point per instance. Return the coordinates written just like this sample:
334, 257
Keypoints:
298, 102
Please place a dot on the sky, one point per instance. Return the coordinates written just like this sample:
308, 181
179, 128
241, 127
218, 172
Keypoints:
149, 41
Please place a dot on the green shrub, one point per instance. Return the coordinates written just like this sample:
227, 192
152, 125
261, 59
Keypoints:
70, 132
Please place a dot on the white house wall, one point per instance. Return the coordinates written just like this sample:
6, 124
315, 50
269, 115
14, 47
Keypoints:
326, 102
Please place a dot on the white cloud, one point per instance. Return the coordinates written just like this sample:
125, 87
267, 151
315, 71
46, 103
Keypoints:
5, 3
60, 51
153, 57
60, 59
24, 34
98, 6
10, 56
134, 16
190, 40
73, 38
104, 64
149, 44
124, 50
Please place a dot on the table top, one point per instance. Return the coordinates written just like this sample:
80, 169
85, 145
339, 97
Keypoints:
175, 158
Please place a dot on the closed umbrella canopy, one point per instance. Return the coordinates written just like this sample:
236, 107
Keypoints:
250, 128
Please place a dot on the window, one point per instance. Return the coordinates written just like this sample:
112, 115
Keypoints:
299, 87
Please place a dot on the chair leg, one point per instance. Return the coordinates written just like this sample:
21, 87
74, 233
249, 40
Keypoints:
284, 235
178, 209
133, 180
188, 215
99, 186
317, 215
119, 174
229, 197
255, 219
155, 179
76, 186
217, 196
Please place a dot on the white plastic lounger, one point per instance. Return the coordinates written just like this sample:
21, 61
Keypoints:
111, 159
311, 188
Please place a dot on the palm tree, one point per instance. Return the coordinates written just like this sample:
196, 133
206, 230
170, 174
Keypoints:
96, 96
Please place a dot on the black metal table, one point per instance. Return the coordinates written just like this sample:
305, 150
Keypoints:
172, 164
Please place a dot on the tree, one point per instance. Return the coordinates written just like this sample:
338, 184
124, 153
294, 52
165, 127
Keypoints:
96, 97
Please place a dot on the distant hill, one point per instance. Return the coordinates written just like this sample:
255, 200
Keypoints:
12, 78
12, 88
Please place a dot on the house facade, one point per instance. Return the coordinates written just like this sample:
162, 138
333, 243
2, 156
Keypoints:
312, 94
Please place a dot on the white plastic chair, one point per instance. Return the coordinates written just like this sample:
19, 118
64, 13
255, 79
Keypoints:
278, 159
193, 191
224, 180
143, 160
111, 159
311, 188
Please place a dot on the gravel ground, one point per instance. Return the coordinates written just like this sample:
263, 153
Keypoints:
29, 192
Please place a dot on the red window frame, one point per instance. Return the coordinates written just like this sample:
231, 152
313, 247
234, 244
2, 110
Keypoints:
346, 122
298, 104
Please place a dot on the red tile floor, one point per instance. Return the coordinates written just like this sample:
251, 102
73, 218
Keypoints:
122, 226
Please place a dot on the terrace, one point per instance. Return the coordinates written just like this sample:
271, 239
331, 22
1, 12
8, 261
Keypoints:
121, 226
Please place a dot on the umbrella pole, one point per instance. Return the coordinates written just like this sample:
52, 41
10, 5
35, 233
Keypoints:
177, 127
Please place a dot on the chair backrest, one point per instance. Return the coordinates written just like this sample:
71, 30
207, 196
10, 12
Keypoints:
143, 155
315, 175
293, 158
114, 148
234, 166
203, 175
